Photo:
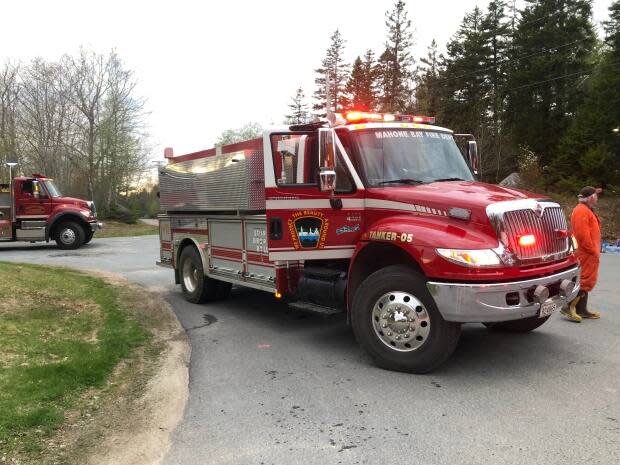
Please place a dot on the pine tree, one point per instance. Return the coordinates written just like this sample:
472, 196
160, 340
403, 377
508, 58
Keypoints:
336, 70
590, 150
361, 87
612, 29
464, 86
299, 109
551, 49
496, 29
427, 77
395, 62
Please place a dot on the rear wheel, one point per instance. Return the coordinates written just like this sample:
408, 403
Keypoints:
396, 321
518, 326
198, 288
69, 235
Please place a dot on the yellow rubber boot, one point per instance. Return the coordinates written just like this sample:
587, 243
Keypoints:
570, 311
582, 309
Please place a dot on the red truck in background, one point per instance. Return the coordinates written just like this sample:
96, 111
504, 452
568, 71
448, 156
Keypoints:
376, 215
33, 209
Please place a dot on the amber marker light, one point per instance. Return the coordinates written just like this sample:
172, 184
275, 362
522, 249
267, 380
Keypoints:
278, 295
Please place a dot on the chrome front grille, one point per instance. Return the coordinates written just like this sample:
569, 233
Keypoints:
549, 229
544, 219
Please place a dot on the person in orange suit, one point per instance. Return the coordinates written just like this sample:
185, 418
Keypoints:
586, 228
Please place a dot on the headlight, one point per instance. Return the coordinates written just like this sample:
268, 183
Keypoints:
482, 257
93, 209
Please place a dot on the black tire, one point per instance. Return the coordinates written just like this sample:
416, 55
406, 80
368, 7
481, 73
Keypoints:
198, 288
69, 235
89, 236
421, 355
518, 326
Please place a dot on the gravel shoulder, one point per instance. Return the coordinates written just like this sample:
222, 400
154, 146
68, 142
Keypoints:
141, 426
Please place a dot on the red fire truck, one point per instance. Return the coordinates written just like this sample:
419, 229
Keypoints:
33, 209
376, 215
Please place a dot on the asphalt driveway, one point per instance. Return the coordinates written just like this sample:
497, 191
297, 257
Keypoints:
272, 386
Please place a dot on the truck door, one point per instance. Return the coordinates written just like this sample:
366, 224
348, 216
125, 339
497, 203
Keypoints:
304, 221
31, 200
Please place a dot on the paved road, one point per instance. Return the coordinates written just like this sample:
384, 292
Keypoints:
269, 386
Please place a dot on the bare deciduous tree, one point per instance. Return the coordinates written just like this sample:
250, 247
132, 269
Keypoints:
78, 119
9, 92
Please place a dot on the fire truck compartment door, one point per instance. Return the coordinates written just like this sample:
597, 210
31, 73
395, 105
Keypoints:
226, 246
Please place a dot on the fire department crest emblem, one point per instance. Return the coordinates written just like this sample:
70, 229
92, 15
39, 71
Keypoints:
308, 230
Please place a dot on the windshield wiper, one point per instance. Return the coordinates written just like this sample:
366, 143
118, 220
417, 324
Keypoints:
401, 181
447, 179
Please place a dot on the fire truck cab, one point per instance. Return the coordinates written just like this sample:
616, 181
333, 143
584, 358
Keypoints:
376, 215
33, 209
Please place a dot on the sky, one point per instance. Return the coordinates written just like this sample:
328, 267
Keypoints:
207, 66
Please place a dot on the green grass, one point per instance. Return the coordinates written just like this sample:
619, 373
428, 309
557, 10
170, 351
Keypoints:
61, 333
117, 229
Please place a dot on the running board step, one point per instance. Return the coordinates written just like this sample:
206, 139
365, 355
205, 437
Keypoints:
314, 308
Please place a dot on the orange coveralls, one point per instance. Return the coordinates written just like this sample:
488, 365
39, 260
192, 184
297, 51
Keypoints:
587, 230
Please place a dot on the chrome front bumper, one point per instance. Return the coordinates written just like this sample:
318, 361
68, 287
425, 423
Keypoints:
485, 303
95, 226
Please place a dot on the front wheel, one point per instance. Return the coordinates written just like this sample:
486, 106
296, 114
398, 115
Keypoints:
69, 235
396, 321
518, 326
89, 236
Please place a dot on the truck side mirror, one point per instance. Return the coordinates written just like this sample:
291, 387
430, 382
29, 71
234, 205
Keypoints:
328, 180
36, 193
472, 155
327, 159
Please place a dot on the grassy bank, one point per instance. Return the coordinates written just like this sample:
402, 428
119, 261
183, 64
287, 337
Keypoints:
117, 229
68, 342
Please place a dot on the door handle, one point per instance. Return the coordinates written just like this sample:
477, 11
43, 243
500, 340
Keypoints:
335, 203
275, 229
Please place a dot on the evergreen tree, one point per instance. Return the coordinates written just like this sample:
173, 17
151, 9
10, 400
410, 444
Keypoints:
496, 29
551, 49
427, 77
299, 109
612, 29
590, 150
336, 70
361, 87
395, 62
463, 84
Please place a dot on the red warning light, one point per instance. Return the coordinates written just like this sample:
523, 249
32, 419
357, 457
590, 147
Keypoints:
527, 240
354, 116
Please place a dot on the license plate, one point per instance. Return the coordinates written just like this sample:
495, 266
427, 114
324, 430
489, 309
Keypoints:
547, 308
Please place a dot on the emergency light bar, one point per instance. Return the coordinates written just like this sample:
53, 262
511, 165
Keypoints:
368, 117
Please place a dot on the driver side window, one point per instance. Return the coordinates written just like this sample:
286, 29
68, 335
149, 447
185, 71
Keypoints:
295, 159
295, 162
27, 188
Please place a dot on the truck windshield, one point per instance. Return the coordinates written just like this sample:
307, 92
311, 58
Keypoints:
387, 157
51, 188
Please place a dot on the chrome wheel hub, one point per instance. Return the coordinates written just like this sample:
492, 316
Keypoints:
67, 236
401, 321
190, 276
